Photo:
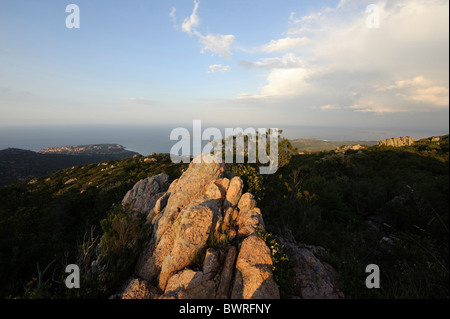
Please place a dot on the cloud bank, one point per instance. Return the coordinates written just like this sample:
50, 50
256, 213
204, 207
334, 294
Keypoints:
331, 60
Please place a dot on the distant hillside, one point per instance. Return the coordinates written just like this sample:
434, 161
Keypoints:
18, 165
314, 145
113, 151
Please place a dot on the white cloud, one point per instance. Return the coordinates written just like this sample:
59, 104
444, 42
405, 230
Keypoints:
217, 43
356, 69
192, 21
218, 68
286, 82
430, 98
419, 89
417, 81
287, 61
286, 44
305, 24
435, 95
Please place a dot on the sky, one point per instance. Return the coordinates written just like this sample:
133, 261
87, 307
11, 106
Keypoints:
264, 63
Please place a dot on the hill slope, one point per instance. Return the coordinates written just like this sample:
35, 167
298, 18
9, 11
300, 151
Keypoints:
18, 164
383, 205
49, 218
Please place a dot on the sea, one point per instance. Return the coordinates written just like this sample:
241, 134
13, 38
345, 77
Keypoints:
146, 139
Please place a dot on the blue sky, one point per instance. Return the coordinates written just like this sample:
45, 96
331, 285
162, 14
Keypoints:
230, 63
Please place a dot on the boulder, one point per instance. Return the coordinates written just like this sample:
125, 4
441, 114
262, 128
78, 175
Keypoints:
234, 192
312, 278
254, 266
189, 284
246, 203
249, 222
145, 193
70, 181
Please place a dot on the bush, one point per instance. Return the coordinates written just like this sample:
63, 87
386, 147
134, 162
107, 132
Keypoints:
124, 236
253, 181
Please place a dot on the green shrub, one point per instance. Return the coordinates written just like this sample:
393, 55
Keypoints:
124, 236
253, 181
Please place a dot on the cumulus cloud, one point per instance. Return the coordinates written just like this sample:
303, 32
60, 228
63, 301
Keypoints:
332, 60
218, 68
287, 61
436, 95
192, 21
286, 44
216, 43
419, 81
419, 89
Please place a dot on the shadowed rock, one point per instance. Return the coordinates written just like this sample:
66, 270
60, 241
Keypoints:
312, 278
145, 193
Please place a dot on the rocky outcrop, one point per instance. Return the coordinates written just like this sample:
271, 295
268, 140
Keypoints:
234, 192
345, 148
205, 241
311, 277
397, 141
182, 228
145, 193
